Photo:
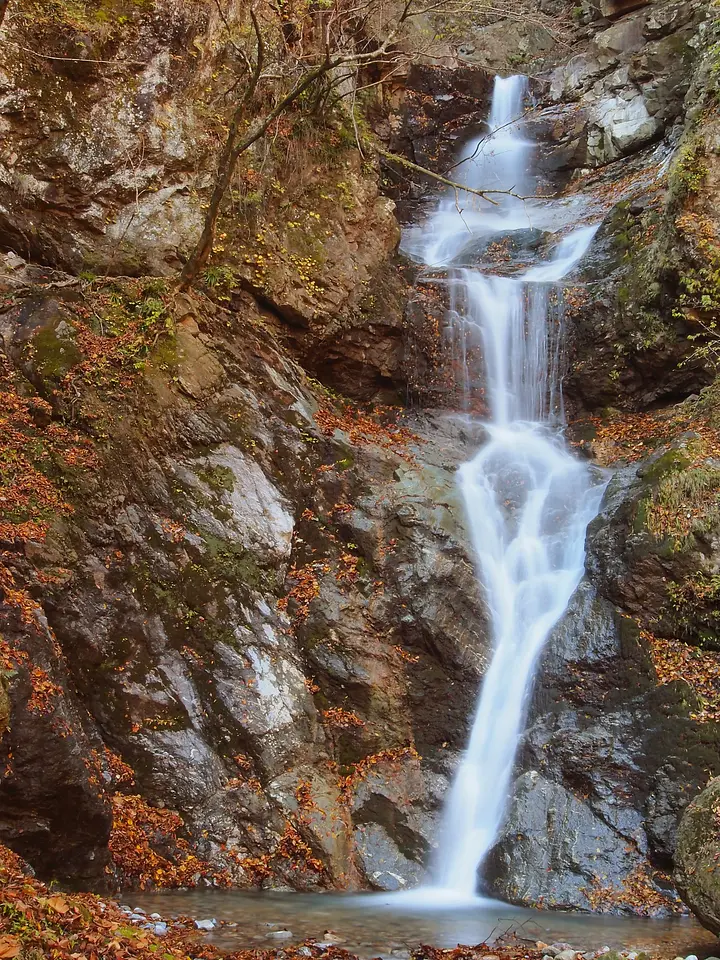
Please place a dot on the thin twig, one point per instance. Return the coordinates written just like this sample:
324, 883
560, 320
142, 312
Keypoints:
46, 56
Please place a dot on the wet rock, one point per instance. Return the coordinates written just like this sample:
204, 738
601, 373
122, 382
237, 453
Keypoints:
396, 809
235, 486
552, 832
51, 811
604, 766
385, 867
206, 925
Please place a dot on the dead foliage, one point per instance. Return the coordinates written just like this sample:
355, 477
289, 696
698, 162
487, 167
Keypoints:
377, 426
639, 893
362, 769
34, 452
342, 719
138, 830
675, 660
633, 436
37, 923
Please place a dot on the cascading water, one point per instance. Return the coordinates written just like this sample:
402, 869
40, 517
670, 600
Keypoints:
528, 500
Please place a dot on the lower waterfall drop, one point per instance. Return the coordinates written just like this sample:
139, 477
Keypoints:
528, 500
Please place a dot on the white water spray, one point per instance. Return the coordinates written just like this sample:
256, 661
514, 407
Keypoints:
528, 500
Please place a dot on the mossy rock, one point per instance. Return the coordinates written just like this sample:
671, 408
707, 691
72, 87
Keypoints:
668, 462
683, 501
697, 856
54, 352
218, 478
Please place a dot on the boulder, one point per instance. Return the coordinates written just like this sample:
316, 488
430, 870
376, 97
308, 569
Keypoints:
697, 858
619, 126
618, 8
553, 849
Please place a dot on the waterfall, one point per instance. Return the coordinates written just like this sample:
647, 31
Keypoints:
528, 500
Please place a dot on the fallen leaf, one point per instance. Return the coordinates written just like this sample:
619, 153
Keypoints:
58, 904
9, 947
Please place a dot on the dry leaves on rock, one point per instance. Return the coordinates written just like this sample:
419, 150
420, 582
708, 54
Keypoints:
675, 660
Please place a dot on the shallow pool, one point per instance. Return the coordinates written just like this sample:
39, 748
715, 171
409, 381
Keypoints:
388, 925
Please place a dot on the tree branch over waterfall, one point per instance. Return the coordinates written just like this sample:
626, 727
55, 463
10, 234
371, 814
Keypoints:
453, 184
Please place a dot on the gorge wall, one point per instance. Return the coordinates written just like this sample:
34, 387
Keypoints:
241, 632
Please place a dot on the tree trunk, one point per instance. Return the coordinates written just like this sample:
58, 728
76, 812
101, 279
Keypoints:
226, 167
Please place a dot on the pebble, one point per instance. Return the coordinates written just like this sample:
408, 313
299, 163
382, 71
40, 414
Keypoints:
206, 924
566, 954
160, 929
139, 910
280, 935
305, 951
155, 916
330, 937
137, 917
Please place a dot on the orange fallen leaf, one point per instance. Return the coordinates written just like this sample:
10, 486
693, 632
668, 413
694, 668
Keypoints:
9, 947
58, 904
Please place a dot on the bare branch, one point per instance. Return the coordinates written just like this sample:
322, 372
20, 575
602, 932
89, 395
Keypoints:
46, 56
259, 56
343, 46
354, 118
238, 50
453, 184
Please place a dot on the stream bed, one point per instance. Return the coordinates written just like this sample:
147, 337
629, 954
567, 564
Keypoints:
380, 925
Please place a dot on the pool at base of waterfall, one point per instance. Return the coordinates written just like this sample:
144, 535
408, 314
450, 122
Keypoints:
380, 925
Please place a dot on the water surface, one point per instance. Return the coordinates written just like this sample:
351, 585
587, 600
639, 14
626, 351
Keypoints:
378, 925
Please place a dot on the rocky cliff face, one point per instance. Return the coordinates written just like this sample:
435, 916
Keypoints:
231, 599
252, 600
241, 631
